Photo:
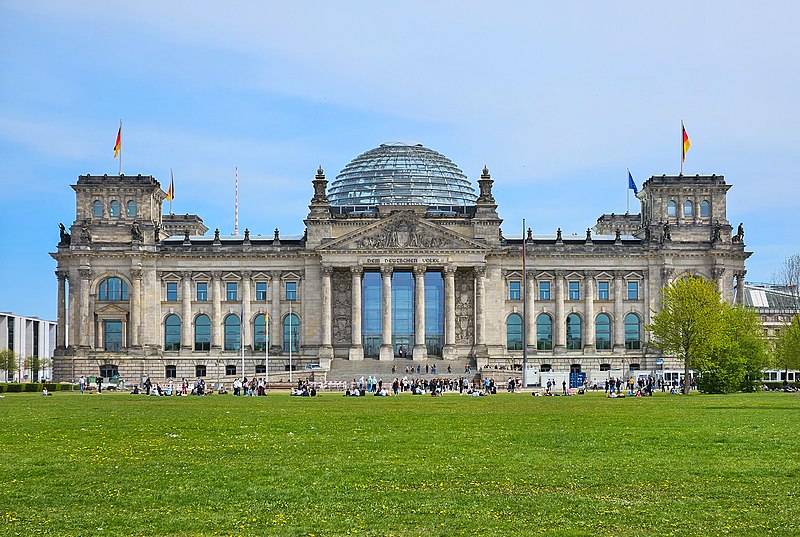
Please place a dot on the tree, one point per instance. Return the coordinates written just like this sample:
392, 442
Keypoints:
688, 322
735, 360
8, 362
789, 274
786, 355
33, 362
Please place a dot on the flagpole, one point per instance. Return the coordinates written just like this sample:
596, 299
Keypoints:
120, 146
683, 153
172, 190
628, 190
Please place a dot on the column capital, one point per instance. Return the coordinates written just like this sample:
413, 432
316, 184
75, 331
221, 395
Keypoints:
419, 270
356, 270
85, 273
137, 273
717, 271
619, 274
216, 275
450, 269
246, 274
590, 274
276, 275
62, 274
387, 270
326, 270
186, 274
666, 273
560, 274
480, 271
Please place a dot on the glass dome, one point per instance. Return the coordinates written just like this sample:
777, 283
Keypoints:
401, 173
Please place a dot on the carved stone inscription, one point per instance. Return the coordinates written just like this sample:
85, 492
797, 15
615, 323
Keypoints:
342, 296
465, 303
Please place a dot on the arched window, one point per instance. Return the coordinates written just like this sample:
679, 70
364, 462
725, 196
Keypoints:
688, 208
172, 333
573, 332
705, 208
514, 332
97, 208
291, 333
544, 332
113, 208
633, 338
109, 371
131, 208
202, 333
232, 333
260, 332
113, 289
602, 332
672, 208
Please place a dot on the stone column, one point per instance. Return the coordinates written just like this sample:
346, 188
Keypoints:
247, 298
275, 336
216, 311
73, 301
61, 329
480, 305
83, 338
449, 350
356, 347
387, 349
530, 305
718, 274
134, 329
420, 351
326, 349
559, 323
619, 312
589, 343
186, 310
740, 286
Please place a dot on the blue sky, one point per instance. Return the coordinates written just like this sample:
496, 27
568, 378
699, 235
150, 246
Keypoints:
558, 99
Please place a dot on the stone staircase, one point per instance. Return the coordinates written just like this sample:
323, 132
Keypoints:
345, 370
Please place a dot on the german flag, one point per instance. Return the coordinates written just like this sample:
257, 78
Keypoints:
686, 143
118, 145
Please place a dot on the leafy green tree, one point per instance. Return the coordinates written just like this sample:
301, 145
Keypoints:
688, 323
8, 362
34, 363
735, 360
787, 346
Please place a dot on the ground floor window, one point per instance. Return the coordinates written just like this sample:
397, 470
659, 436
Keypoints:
605, 367
261, 369
635, 367
199, 370
170, 371
546, 368
230, 369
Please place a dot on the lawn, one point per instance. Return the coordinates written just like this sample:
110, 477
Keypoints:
118, 464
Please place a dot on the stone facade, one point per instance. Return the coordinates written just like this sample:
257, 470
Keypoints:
133, 296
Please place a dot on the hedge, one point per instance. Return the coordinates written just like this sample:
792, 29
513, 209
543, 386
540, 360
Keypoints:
30, 387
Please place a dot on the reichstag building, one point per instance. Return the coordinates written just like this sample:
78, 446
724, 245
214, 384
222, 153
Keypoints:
402, 260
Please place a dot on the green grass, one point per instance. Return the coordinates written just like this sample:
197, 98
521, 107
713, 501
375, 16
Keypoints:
508, 464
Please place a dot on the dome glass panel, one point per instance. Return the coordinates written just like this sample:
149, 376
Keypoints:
401, 173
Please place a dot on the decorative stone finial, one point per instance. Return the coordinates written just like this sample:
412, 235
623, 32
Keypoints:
530, 235
216, 236
485, 186
276, 238
320, 187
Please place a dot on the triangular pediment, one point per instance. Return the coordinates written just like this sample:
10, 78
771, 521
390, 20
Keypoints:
404, 231
110, 310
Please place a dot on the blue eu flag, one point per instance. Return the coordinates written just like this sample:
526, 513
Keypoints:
631, 184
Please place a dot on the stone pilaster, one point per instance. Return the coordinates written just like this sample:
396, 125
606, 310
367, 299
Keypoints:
356, 351
326, 349
61, 329
480, 305
186, 303
135, 317
589, 343
275, 335
718, 274
559, 323
83, 337
216, 310
387, 348
619, 312
247, 340
740, 286
420, 351
449, 351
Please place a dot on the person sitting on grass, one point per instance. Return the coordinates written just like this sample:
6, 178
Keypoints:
44, 391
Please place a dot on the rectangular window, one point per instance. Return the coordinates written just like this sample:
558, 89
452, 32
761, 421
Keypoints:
633, 290
172, 291
261, 291
291, 291
112, 335
232, 291
202, 291
602, 290
574, 290
230, 369
514, 290
170, 371
544, 290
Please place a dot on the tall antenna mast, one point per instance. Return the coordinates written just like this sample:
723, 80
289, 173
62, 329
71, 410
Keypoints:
236, 208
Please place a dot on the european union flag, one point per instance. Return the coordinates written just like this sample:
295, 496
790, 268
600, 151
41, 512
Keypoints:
631, 184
